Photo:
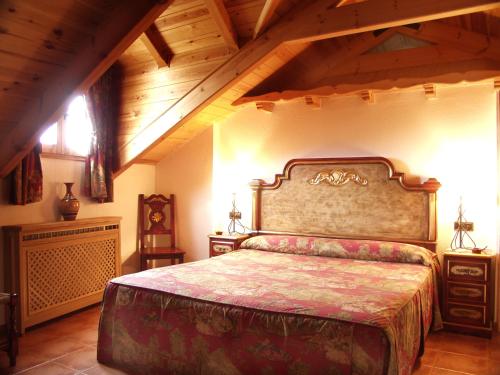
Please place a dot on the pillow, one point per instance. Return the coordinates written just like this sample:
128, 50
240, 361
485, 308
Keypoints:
343, 248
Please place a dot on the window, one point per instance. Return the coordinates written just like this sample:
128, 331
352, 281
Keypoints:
72, 133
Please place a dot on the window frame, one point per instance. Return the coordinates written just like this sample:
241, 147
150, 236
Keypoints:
60, 150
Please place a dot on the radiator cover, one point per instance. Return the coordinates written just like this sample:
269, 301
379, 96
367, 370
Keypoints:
60, 267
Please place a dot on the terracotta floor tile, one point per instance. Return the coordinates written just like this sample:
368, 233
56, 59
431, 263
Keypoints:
24, 360
469, 345
87, 336
429, 357
441, 371
50, 368
422, 370
435, 340
101, 369
494, 368
463, 363
82, 359
60, 346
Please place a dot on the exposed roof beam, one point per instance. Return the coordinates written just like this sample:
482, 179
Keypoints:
444, 72
156, 46
265, 16
221, 17
317, 20
456, 37
110, 40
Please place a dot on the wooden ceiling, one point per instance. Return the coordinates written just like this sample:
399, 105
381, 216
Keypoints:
188, 63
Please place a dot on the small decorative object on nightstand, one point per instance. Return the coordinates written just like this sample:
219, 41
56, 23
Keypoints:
468, 293
221, 244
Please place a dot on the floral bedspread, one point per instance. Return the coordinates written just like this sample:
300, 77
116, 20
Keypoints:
294, 305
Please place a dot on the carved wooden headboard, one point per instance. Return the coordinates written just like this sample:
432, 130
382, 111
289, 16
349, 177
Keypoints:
346, 198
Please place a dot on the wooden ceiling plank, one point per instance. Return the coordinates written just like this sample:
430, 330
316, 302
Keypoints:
94, 58
265, 16
219, 14
315, 21
156, 46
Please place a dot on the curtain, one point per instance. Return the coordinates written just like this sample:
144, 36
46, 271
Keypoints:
27, 179
102, 106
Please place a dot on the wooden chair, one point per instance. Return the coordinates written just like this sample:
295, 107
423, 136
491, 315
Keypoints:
152, 218
9, 342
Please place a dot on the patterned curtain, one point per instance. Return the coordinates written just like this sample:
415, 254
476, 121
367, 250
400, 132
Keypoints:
102, 105
27, 179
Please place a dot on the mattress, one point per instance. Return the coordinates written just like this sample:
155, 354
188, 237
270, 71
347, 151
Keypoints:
283, 304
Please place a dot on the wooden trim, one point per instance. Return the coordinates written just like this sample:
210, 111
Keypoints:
52, 155
110, 40
430, 186
265, 16
300, 26
223, 21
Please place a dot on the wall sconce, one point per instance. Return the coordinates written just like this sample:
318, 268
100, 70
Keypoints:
235, 223
462, 228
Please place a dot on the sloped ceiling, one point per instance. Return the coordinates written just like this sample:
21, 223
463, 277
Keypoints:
188, 63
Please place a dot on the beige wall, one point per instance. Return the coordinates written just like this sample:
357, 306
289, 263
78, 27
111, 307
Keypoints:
451, 138
137, 179
188, 175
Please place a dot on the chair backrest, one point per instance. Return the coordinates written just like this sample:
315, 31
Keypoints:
156, 217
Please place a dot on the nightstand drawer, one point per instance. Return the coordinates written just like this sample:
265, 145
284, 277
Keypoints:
222, 244
468, 293
463, 270
222, 247
466, 314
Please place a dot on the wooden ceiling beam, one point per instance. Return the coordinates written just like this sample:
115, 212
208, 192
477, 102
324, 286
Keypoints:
157, 46
445, 73
110, 40
221, 17
456, 37
265, 16
309, 22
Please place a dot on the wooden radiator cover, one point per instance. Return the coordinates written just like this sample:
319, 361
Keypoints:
61, 266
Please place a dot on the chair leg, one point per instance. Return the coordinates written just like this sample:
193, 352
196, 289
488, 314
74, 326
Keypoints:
144, 263
13, 347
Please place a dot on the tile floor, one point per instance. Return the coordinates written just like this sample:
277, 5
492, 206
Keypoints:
68, 346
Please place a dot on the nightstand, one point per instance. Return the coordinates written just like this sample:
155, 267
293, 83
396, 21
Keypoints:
468, 292
221, 244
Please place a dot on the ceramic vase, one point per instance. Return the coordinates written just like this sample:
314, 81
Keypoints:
69, 205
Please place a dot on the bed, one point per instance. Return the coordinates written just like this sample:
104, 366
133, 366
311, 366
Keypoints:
339, 278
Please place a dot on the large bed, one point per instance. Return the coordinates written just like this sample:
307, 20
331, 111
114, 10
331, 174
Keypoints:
339, 278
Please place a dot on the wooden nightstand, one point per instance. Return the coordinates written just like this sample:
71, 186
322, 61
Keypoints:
221, 244
468, 292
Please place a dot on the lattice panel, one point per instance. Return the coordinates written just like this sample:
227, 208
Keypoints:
63, 274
